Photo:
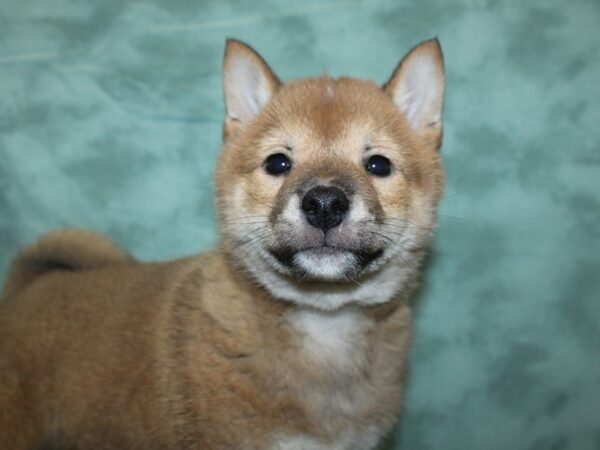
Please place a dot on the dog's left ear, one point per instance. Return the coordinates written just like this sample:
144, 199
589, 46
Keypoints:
248, 84
417, 89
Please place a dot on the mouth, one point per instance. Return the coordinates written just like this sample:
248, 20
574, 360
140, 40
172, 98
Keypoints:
326, 262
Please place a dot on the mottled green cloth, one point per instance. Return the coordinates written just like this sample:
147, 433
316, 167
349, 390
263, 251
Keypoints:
110, 119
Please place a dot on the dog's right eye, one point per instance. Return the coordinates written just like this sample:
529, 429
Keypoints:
277, 164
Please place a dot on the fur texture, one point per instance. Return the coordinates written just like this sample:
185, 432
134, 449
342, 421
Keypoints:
286, 336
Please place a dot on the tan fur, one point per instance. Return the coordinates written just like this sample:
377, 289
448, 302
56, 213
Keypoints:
62, 250
98, 350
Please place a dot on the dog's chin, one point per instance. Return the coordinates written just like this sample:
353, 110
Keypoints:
326, 263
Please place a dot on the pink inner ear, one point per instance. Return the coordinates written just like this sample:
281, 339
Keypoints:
419, 88
248, 82
245, 87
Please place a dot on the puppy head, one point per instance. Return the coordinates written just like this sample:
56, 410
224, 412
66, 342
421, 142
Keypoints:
327, 188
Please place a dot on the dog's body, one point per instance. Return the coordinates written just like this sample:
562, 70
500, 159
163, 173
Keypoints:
187, 355
293, 333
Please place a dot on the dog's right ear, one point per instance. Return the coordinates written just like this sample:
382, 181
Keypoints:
248, 84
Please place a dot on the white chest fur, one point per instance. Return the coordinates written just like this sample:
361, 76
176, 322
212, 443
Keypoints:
335, 346
333, 340
348, 440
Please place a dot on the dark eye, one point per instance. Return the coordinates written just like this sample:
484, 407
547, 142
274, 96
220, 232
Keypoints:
277, 164
379, 165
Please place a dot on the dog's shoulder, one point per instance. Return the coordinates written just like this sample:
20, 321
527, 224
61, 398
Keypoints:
208, 290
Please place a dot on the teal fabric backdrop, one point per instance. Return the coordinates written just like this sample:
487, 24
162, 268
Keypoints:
110, 119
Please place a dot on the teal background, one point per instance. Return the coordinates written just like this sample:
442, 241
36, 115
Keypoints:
110, 119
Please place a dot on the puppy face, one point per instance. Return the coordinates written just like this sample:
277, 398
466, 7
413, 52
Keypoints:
327, 188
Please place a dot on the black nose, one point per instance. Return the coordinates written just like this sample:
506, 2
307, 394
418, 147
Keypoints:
325, 207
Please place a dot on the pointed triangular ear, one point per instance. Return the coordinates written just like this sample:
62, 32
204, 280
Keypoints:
417, 89
248, 82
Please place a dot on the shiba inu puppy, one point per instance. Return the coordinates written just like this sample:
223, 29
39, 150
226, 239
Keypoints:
293, 333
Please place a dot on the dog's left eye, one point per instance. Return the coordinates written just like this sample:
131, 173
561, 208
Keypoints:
379, 165
277, 164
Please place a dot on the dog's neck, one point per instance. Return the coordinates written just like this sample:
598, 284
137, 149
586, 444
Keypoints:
340, 332
334, 339
331, 362
340, 358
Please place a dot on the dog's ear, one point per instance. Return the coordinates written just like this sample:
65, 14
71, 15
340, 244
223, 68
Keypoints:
417, 89
248, 83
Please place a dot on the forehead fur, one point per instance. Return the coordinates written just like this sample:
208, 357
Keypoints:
330, 107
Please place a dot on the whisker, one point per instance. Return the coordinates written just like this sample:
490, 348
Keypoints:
254, 236
389, 239
257, 199
445, 216
400, 230
396, 221
349, 278
400, 235
250, 216
404, 258
252, 222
